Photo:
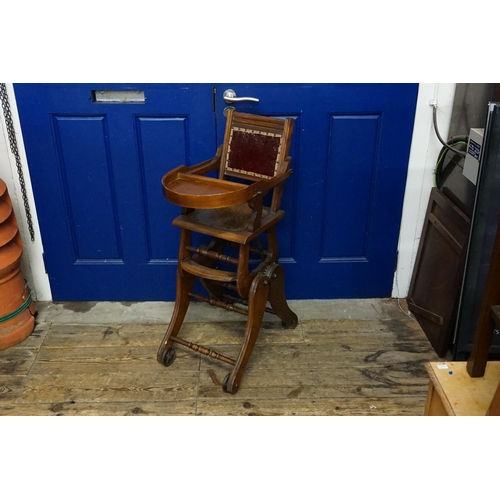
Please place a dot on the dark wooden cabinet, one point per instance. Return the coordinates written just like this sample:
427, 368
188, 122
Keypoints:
485, 221
437, 277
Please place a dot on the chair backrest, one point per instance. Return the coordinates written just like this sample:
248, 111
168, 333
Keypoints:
255, 146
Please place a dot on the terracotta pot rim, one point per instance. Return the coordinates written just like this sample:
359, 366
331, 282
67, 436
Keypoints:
5, 211
10, 272
17, 332
8, 232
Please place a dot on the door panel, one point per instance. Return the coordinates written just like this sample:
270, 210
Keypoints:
106, 227
349, 175
84, 170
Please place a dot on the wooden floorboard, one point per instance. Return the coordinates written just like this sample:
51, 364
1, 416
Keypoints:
323, 367
318, 407
108, 409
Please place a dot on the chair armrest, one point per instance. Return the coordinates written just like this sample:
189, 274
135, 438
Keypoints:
256, 202
284, 164
264, 185
198, 169
189, 189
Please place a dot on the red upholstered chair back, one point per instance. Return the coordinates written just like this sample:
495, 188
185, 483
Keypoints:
255, 146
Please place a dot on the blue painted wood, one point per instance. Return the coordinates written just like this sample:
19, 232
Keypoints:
89, 194
349, 175
350, 154
96, 171
154, 154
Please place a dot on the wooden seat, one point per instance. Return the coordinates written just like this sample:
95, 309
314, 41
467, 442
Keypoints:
238, 211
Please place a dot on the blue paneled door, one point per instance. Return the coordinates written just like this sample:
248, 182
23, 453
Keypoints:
96, 170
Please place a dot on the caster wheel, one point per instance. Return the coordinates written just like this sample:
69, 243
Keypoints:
168, 357
225, 387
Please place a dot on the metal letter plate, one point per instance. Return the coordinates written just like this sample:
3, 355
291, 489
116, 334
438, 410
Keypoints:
118, 96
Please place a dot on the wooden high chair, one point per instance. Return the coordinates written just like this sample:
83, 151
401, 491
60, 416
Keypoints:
252, 161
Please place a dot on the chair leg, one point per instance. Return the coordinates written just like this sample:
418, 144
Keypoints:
185, 284
257, 300
277, 297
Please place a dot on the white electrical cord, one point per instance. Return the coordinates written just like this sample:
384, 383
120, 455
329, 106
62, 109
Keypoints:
399, 302
441, 140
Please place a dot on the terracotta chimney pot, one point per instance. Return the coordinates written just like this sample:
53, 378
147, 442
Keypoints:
17, 310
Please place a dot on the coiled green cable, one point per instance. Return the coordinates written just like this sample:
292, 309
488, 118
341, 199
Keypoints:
18, 311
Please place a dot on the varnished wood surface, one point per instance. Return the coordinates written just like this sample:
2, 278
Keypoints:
458, 393
344, 367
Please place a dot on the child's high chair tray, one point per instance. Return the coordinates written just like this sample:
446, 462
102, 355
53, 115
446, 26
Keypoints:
197, 191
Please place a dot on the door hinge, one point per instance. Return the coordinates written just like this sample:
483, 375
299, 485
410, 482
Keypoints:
214, 92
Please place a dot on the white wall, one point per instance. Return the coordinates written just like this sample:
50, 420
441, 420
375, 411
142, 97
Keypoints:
424, 150
32, 264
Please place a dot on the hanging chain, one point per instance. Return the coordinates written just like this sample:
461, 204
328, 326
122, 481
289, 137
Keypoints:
13, 147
